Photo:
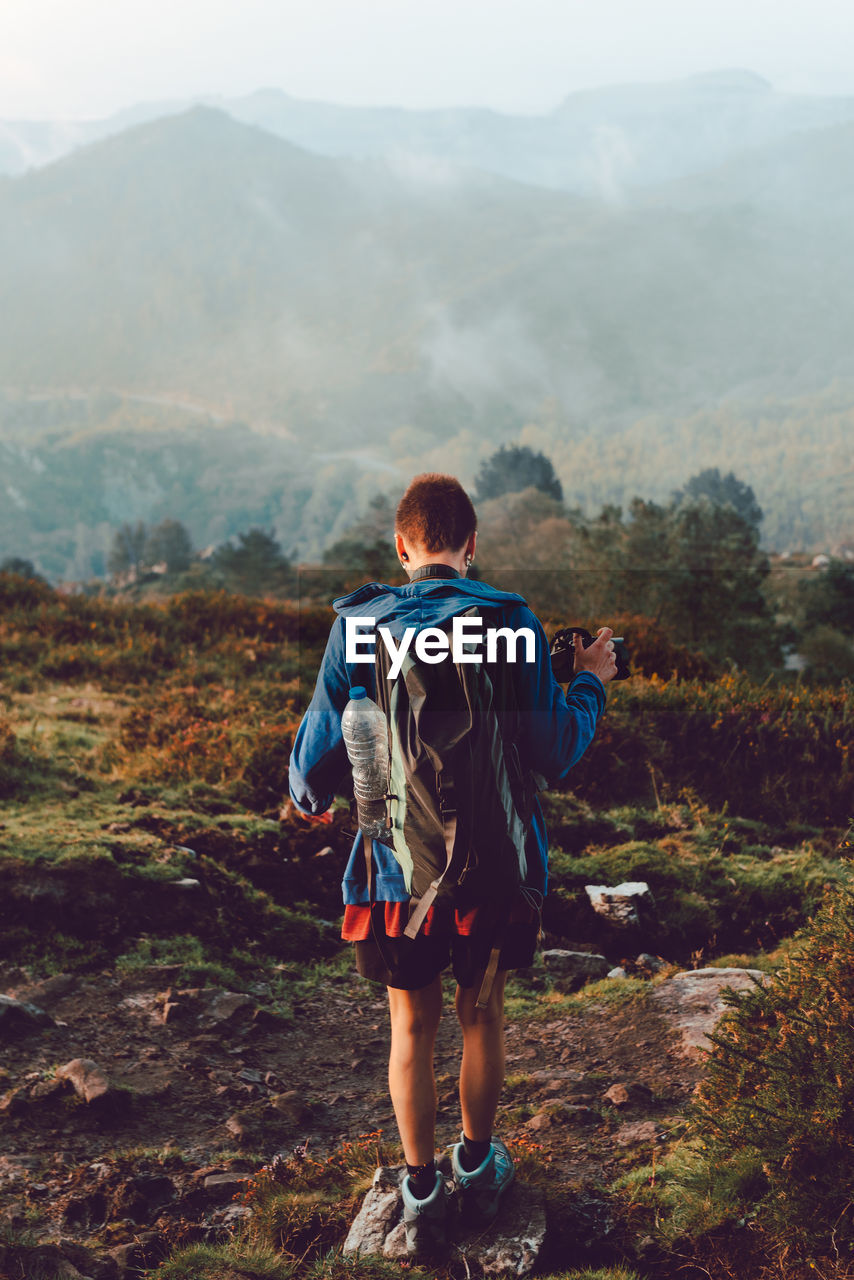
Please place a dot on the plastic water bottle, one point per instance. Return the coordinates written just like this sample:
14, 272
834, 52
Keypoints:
366, 739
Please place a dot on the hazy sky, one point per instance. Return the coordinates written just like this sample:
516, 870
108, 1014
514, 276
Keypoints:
90, 57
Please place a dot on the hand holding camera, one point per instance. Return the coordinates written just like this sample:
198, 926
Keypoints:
575, 649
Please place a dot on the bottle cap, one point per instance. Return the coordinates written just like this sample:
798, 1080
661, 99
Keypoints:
358, 691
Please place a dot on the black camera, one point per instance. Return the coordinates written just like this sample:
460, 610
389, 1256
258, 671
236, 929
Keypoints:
563, 653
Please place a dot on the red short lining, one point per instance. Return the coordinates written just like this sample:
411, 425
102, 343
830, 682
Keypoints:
357, 920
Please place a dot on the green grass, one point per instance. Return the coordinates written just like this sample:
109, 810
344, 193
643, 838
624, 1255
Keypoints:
233, 1261
688, 1194
595, 1273
714, 892
526, 1003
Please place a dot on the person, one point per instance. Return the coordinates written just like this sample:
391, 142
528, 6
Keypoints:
436, 541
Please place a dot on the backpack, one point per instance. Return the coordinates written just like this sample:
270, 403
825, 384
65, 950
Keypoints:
459, 802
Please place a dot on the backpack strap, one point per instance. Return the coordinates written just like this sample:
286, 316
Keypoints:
448, 810
489, 976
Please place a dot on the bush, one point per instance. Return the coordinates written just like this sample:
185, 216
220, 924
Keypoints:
780, 1092
730, 741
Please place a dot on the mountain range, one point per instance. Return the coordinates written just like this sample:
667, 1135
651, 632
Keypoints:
385, 305
601, 142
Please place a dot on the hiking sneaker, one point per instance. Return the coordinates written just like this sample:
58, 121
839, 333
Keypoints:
481, 1189
425, 1220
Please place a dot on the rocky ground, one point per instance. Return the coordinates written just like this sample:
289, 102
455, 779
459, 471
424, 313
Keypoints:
133, 1112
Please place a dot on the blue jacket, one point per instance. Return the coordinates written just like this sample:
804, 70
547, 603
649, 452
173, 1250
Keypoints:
555, 728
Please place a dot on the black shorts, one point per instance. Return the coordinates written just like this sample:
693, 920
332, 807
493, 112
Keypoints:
408, 964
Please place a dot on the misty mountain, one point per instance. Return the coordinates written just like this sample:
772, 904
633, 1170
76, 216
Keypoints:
198, 256
809, 175
372, 318
602, 143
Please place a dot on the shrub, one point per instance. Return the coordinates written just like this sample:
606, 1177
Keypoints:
780, 1092
732, 742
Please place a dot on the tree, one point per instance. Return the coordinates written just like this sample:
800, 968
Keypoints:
514, 468
169, 543
713, 593
255, 565
128, 550
829, 598
22, 568
724, 491
367, 547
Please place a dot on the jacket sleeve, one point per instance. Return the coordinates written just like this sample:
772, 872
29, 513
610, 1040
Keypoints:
319, 761
555, 729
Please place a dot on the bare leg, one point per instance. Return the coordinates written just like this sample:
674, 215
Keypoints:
482, 1070
411, 1083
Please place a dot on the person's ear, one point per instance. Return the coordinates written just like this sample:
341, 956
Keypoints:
400, 548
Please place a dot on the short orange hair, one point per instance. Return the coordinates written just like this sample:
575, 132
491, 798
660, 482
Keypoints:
435, 513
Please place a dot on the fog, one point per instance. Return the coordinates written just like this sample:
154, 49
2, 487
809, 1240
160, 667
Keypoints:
91, 59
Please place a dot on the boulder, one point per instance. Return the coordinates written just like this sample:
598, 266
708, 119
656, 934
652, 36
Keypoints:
692, 1002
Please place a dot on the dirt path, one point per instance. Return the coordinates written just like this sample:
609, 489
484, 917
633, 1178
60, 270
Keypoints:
224, 1087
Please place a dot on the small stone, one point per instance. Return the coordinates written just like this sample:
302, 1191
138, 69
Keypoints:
622, 904
89, 1081
290, 1105
236, 1215
628, 1095
629, 1135
237, 1127
223, 1186
230, 1005
578, 1114
17, 1017
619, 972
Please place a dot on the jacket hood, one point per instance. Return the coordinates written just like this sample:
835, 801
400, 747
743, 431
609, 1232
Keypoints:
432, 602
